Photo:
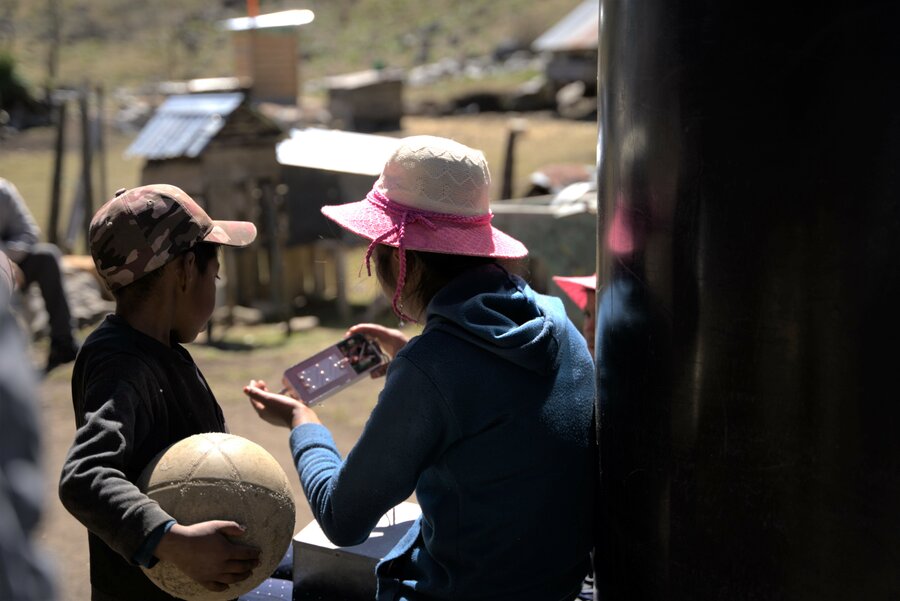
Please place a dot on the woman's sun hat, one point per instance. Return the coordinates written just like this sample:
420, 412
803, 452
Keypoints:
577, 287
432, 196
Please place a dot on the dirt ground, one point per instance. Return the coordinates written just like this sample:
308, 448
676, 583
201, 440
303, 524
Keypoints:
256, 355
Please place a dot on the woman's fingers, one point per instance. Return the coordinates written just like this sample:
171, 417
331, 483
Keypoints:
390, 340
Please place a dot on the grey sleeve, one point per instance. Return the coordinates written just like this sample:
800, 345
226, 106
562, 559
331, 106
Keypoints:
94, 486
25, 573
18, 230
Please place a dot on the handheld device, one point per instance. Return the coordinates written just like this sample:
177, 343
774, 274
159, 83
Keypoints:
336, 367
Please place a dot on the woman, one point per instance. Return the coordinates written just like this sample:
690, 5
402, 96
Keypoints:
486, 415
582, 289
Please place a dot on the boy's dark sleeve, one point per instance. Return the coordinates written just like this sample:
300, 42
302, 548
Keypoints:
93, 485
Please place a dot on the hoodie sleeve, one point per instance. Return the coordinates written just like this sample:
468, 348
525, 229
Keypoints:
94, 486
407, 429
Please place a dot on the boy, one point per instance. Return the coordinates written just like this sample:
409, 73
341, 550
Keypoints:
136, 390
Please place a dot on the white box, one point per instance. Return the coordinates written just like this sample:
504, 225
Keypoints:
323, 571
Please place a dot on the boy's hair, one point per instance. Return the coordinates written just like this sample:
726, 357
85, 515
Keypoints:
433, 270
138, 291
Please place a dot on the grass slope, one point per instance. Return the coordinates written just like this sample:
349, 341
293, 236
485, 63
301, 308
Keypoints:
106, 43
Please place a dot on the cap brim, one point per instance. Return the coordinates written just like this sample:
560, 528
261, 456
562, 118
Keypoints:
577, 287
369, 221
231, 233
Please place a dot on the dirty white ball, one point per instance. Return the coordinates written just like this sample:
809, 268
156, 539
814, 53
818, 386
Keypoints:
222, 477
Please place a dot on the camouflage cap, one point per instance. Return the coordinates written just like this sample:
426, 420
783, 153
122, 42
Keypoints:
142, 229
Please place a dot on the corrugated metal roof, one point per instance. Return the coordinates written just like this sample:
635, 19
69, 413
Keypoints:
336, 150
183, 125
284, 18
579, 30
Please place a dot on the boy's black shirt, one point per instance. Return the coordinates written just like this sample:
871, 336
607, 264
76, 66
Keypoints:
133, 397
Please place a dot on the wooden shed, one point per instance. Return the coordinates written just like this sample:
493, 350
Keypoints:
572, 44
221, 151
319, 167
366, 101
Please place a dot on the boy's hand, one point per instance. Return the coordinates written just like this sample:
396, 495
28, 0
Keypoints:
203, 552
279, 409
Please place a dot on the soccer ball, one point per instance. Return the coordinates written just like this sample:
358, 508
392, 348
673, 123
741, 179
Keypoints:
218, 476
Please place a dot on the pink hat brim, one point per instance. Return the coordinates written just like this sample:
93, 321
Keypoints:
483, 240
577, 287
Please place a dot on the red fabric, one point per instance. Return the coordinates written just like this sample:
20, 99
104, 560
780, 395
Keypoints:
576, 287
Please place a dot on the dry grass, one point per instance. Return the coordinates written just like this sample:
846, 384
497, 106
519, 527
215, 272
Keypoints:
27, 159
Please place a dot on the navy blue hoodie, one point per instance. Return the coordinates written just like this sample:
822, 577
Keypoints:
486, 416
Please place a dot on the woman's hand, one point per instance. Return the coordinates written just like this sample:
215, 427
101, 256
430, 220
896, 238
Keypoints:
279, 409
390, 340
204, 552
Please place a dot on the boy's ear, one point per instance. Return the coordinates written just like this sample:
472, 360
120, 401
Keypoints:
190, 261
187, 268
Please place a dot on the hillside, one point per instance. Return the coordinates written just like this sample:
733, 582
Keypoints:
169, 39
179, 39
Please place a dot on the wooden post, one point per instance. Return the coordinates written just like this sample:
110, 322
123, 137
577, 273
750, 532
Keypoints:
86, 160
269, 205
76, 218
516, 127
59, 149
331, 256
340, 275
100, 142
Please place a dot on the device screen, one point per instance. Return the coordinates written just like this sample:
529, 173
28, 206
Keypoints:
330, 370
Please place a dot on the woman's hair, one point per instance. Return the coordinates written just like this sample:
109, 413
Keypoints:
137, 291
430, 271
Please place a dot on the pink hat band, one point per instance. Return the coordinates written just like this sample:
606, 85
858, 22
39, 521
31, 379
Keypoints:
403, 215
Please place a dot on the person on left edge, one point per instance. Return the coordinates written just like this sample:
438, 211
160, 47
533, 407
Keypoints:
25, 574
37, 262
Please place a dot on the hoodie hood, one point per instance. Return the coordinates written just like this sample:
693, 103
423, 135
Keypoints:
500, 313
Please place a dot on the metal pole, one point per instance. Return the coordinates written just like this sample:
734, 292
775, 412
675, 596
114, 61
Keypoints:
749, 252
59, 154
